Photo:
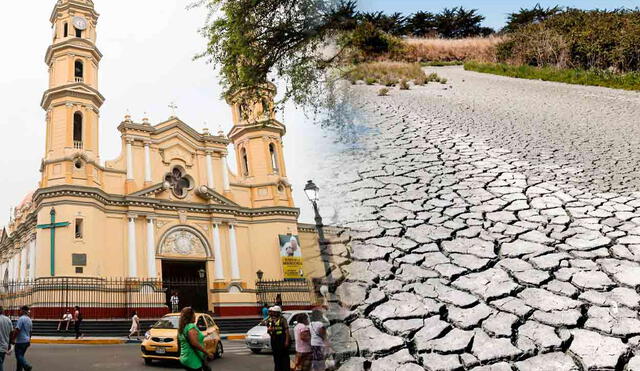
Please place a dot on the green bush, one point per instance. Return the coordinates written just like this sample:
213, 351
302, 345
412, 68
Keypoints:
370, 80
578, 39
370, 42
609, 79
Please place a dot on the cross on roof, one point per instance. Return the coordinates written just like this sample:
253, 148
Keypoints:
173, 109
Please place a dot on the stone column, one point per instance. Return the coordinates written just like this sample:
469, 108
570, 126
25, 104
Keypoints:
14, 268
133, 261
129, 159
32, 259
225, 174
217, 251
208, 160
147, 162
23, 263
233, 246
151, 249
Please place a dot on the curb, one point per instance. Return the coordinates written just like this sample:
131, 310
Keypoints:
78, 341
111, 341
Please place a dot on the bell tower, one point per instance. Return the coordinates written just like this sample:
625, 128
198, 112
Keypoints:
72, 101
257, 138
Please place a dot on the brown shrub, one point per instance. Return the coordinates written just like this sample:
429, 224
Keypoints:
474, 48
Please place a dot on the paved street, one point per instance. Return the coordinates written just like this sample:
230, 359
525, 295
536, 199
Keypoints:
127, 357
496, 227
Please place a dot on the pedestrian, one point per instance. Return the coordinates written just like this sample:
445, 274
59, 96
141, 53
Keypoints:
23, 329
303, 343
6, 327
193, 355
278, 330
135, 325
66, 317
175, 300
318, 340
77, 321
265, 311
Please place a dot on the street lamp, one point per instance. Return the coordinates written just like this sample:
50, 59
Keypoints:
313, 194
260, 274
201, 273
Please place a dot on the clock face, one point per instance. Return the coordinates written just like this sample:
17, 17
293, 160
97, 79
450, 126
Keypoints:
80, 23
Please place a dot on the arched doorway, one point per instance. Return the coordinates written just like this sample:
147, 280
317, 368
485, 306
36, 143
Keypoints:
184, 252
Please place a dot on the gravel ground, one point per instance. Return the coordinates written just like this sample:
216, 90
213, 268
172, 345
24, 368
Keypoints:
495, 227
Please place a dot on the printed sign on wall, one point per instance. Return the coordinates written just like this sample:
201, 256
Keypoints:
291, 255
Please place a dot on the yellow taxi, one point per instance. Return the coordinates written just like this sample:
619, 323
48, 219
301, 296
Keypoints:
161, 341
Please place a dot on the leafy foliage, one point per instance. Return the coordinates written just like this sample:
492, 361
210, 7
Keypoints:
421, 24
252, 40
627, 81
459, 22
368, 41
394, 24
525, 16
579, 39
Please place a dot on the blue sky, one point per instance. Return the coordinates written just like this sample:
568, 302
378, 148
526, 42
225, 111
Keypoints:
494, 10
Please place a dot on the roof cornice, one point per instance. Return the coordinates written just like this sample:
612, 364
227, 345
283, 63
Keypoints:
138, 201
77, 43
68, 4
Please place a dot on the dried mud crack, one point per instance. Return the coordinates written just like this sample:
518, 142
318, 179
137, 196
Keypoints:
484, 242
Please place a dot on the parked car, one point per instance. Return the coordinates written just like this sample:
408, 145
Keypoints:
161, 341
258, 339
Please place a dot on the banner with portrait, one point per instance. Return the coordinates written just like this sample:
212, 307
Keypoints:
291, 256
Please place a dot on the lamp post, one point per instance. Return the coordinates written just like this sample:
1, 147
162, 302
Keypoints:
312, 191
260, 274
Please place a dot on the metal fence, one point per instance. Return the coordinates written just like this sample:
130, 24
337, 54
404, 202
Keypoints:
98, 298
293, 294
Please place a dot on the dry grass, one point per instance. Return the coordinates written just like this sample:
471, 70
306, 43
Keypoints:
481, 49
386, 73
391, 74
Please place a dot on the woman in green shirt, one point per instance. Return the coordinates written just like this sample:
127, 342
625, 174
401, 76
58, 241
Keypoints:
193, 355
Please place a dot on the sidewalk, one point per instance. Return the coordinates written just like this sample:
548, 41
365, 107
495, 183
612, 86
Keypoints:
106, 340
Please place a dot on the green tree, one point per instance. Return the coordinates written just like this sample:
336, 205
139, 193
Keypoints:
345, 15
525, 16
459, 22
421, 24
394, 24
250, 41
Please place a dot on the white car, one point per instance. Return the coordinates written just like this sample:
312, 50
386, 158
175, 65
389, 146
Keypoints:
258, 339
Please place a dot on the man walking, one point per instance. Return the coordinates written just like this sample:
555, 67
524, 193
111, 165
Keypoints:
77, 321
278, 330
5, 336
175, 306
23, 339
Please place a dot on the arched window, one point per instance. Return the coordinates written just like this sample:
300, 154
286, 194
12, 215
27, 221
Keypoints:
274, 157
79, 71
245, 162
78, 33
66, 30
265, 106
77, 130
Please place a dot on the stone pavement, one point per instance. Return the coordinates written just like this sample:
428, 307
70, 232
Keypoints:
466, 256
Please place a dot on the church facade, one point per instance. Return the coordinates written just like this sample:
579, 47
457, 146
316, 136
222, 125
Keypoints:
169, 206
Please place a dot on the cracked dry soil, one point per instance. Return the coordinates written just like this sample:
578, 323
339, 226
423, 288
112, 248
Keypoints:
503, 238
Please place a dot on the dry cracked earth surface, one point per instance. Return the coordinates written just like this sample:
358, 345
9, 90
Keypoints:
495, 226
